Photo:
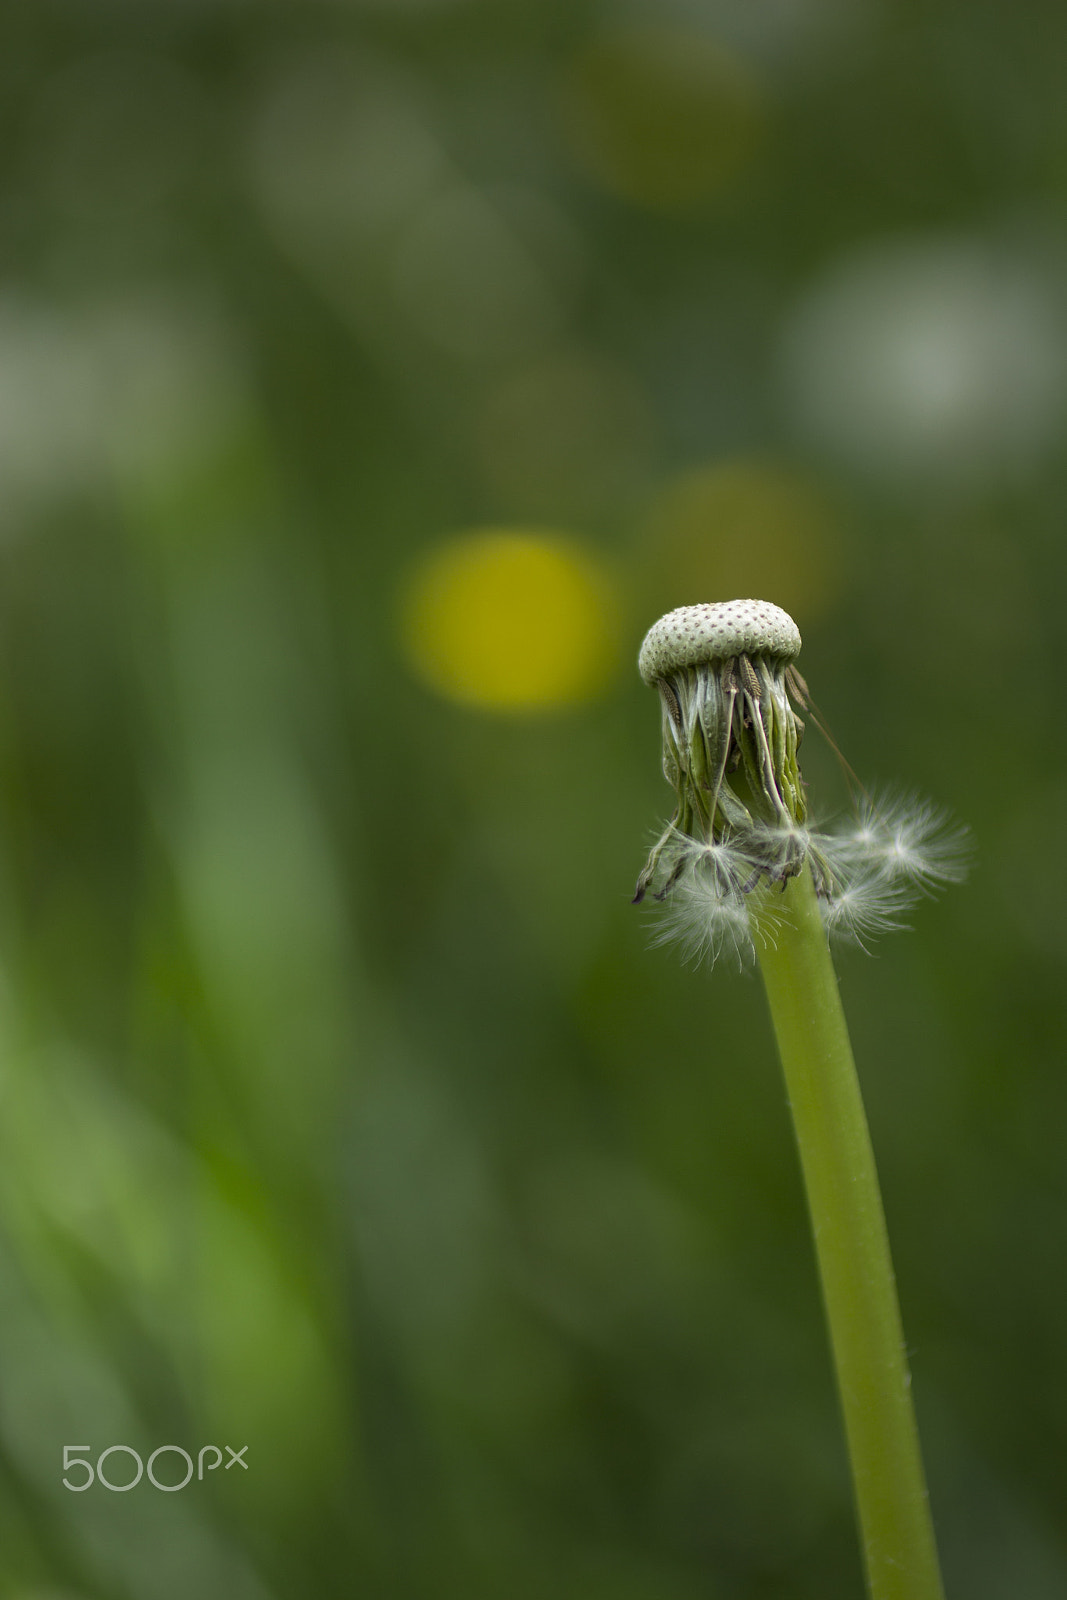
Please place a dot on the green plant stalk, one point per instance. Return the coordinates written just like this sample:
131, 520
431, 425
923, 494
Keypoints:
852, 1246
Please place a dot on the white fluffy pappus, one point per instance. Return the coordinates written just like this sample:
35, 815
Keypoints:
906, 838
720, 897
708, 909
865, 907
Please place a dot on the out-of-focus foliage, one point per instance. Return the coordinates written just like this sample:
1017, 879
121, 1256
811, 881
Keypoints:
372, 373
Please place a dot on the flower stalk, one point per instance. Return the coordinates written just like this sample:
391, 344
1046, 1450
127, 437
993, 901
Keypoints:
852, 1246
739, 866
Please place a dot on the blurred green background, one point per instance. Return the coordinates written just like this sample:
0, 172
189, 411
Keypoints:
372, 374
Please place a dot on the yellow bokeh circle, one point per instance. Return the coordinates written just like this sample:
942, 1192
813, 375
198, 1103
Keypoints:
510, 620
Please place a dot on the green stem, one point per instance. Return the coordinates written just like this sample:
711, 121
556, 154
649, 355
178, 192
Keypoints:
853, 1252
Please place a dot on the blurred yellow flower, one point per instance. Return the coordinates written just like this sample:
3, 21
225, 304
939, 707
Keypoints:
510, 620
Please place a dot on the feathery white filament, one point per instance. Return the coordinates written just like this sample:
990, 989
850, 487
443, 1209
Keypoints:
907, 838
867, 875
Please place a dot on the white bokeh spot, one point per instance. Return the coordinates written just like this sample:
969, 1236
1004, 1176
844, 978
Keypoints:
942, 359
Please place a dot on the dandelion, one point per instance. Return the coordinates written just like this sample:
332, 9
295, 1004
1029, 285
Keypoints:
731, 733
741, 869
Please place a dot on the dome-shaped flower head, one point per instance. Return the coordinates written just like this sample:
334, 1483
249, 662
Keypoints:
729, 689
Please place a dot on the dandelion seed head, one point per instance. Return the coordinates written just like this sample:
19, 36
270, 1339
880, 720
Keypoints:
714, 632
741, 829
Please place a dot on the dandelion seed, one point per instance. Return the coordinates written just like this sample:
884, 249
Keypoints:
908, 838
709, 905
865, 908
705, 922
781, 852
722, 864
